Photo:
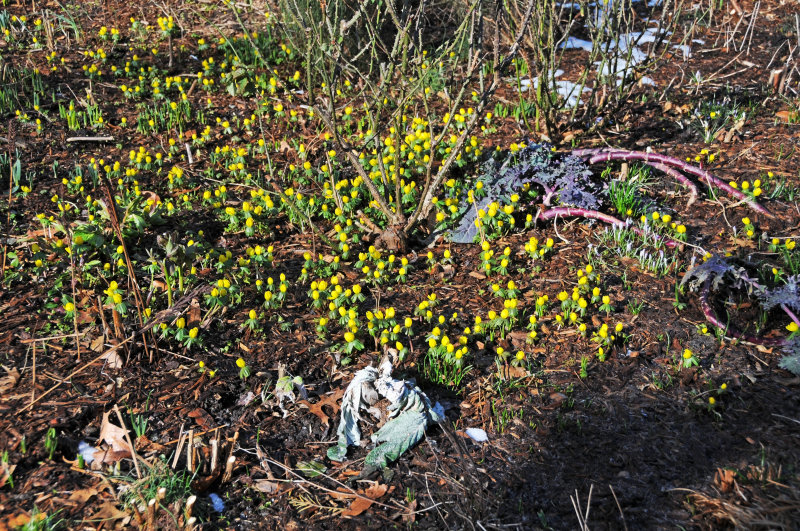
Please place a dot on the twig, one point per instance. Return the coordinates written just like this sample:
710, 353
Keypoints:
785, 418
33, 377
79, 370
130, 443
326, 489
621, 514
90, 139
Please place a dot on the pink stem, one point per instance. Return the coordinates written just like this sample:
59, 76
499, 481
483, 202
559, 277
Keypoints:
601, 155
791, 314
678, 176
711, 317
557, 212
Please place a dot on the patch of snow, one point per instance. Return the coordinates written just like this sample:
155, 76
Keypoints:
87, 451
477, 434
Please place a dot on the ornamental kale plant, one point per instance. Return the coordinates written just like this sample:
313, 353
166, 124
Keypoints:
565, 179
718, 274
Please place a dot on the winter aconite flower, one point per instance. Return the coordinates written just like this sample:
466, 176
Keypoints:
244, 370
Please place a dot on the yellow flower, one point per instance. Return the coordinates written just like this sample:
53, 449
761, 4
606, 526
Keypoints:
240, 363
792, 327
69, 307
687, 354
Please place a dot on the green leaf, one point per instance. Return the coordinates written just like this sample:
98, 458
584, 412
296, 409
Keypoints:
312, 469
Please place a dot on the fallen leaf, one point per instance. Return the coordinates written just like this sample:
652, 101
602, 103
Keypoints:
245, 399
8, 381
557, 399
81, 496
146, 445
97, 344
311, 469
342, 494
331, 400
113, 435
113, 360
108, 457
266, 486
361, 504
107, 512
202, 418
358, 506
376, 490
15, 522
85, 317
410, 515
202, 484
195, 315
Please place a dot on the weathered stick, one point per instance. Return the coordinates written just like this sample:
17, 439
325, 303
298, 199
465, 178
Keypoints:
90, 139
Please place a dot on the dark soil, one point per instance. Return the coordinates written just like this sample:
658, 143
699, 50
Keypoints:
635, 442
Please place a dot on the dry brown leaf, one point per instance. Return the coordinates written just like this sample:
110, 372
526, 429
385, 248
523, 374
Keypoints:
113, 435
8, 381
81, 496
15, 522
376, 490
85, 317
368, 497
113, 360
410, 516
97, 344
266, 486
517, 372
342, 494
108, 457
195, 315
331, 400
108, 512
202, 484
202, 418
143, 444
358, 506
